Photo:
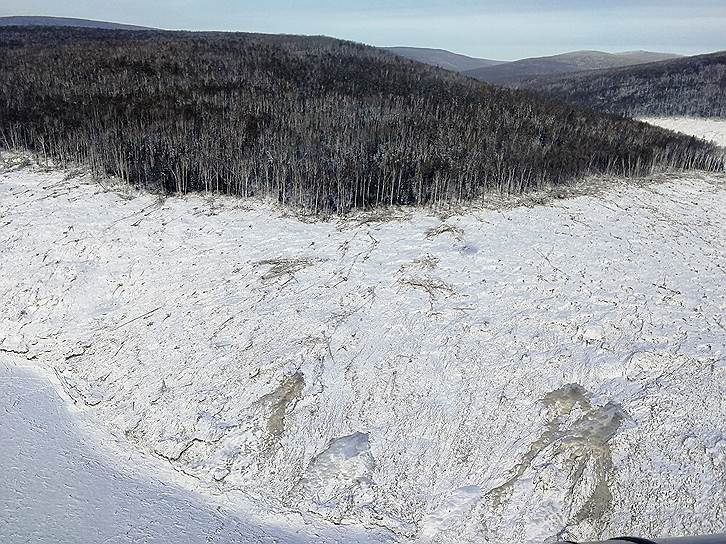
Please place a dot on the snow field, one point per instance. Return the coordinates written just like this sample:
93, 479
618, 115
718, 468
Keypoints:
500, 375
713, 130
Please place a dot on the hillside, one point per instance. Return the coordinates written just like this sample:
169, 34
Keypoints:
513, 73
710, 129
694, 86
311, 122
643, 57
517, 375
65, 22
442, 58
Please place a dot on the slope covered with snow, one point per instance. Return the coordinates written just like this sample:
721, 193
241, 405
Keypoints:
498, 375
712, 130
63, 482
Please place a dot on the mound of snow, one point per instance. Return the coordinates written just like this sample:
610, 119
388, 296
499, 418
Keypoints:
338, 480
496, 376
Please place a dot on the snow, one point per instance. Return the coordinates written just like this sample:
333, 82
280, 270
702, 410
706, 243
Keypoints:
713, 130
338, 477
54, 488
513, 374
57, 486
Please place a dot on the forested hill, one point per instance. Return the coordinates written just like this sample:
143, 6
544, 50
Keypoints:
65, 21
442, 58
512, 74
687, 86
314, 122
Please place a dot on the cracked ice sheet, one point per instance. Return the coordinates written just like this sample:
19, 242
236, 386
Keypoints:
243, 345
59, 485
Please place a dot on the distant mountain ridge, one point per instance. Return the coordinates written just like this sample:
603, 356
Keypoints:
66, 21
443, 58
690, 86
512, 74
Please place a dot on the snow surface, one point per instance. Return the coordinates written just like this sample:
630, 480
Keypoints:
492, 376
713, 130
58, 485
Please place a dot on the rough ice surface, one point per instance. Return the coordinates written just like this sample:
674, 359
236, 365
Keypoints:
60, 486
713, 130
338, 480
491, 376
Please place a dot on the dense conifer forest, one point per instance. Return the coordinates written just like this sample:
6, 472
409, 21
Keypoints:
693, 86
314, 122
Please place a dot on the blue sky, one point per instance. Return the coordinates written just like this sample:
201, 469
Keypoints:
494, 29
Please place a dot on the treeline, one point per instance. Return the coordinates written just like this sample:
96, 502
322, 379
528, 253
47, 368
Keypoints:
314, 122
691, 86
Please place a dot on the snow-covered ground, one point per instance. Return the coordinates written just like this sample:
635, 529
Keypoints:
503, 375
59, 485
713, 130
